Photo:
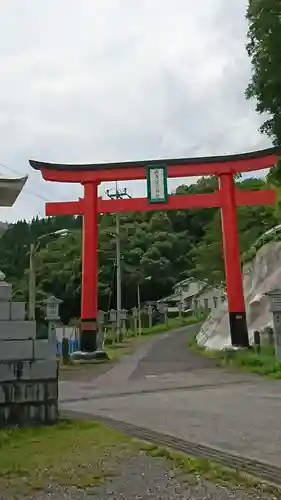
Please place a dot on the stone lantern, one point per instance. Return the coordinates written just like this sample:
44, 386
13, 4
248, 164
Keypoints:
52, 316
275, 308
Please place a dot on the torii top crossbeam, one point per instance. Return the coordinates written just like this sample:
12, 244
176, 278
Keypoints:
227, 198
181, 167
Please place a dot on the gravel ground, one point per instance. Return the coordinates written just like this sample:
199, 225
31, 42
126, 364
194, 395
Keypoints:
144, 478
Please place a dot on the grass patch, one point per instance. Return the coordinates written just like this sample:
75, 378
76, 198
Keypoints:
78, 454
173, 324
84, 454
263, 363
195, 468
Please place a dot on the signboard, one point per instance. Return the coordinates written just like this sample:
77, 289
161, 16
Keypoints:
157, 184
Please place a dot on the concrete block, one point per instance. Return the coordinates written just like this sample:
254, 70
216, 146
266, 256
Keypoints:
14, 311
28, 414
43, 349
5, 291
17, 330
17, 312
44, 370
28, 370
52, 391
21, 392
4, 311
16, 350
52, 413
28, 391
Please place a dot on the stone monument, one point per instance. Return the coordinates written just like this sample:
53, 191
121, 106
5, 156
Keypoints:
275, 308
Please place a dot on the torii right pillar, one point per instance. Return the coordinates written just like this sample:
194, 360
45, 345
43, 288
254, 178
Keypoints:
234, 278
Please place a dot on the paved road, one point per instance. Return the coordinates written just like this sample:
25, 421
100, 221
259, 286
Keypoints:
170, 355
167, 388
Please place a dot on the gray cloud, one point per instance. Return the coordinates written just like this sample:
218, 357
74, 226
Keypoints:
120, 80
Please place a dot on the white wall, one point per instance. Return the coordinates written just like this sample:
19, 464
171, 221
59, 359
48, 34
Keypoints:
210, 299
69, 332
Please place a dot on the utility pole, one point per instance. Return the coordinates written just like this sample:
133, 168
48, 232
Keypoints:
117, 195
148, 278
118, 277
32, 284
139, 309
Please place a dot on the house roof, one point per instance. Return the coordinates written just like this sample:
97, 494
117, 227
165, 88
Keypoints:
186, 281
177, 297
208, 286
10, 190
174, 297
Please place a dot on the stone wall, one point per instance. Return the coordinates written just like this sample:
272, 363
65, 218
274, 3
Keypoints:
259, 276
28, 369
28, 383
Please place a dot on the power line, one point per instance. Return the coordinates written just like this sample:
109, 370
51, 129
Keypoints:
10, 169
27, 190
33, 193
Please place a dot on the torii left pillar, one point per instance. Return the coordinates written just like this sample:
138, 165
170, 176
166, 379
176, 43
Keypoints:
89, 296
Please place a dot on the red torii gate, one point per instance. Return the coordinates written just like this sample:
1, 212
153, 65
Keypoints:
227, 198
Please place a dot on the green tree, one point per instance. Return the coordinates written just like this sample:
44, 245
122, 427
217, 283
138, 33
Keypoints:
264, 49
164, 246
253, 221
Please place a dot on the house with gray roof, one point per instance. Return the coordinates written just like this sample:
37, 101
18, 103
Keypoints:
208, 298
183, 293
194, 295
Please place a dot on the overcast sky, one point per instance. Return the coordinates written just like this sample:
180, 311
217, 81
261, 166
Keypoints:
102, 80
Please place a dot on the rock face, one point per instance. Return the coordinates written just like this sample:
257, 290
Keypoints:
28, 367
259, 276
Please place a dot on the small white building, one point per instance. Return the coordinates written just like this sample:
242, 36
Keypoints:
183, 293
194, 295
208, 298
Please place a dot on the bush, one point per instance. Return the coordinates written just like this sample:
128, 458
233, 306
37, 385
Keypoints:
270, 236
263, 363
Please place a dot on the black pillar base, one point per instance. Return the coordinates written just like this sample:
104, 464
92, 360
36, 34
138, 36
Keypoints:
88, 336
238, 329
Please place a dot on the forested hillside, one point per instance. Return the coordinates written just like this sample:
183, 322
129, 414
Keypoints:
167, 246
